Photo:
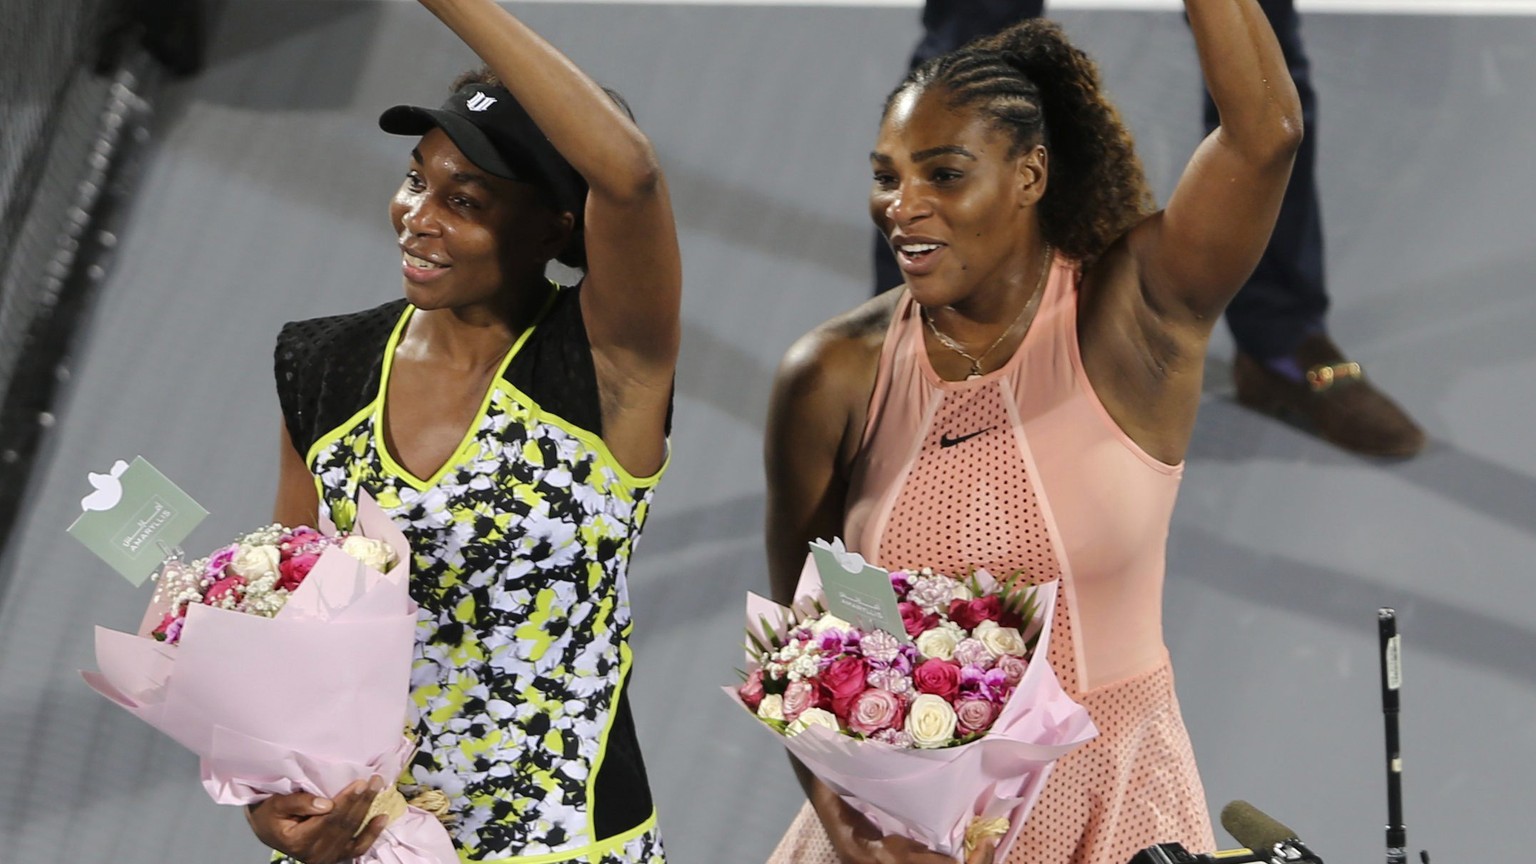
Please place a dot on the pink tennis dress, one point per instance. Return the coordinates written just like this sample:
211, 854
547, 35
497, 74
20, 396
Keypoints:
1023, 468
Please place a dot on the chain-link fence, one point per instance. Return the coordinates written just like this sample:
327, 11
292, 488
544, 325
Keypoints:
75, 84
47, 47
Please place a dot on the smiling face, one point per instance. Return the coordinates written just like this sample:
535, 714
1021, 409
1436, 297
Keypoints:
466, 237
954, 202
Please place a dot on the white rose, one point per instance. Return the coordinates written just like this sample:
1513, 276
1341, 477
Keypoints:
829, 622
254, 562
930, 721
372, 553
772, 707
938, 643
808, 718
1002, 640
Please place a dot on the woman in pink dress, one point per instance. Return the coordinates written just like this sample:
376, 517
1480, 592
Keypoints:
1024, 402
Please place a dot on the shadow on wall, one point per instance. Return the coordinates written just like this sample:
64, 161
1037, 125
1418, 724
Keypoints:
320, 46
1320, 593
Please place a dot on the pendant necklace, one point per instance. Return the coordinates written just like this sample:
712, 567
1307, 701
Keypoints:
954, 346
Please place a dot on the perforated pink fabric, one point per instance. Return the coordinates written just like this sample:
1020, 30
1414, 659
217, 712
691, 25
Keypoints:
1024, 469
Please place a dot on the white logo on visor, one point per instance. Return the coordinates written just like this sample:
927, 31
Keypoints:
480, 102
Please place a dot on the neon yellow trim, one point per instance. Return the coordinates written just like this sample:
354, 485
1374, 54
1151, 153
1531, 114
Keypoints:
335, 435
453, 459
1231, 853
626, 658
589, 853
595, 442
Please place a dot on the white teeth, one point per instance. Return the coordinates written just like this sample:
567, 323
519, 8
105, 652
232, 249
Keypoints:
919, 248
420, 263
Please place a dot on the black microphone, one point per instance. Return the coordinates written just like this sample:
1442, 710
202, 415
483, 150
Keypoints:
1173, 853
1266, 836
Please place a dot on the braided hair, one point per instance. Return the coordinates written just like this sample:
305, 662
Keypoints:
574, 254
1038, 88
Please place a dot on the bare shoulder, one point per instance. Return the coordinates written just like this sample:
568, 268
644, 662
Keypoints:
842, 350
824, 383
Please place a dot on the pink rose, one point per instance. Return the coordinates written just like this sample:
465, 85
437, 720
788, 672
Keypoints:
751, 690
843, 681
230, 587
1012, 668
293, 570
298, 540
939, 677
969, 613
974, 715
799, 696
874, 710
916, 622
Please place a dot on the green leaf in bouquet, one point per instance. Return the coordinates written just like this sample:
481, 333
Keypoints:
755, 646
775, 686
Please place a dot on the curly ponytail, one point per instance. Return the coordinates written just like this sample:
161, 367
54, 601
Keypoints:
1040, 89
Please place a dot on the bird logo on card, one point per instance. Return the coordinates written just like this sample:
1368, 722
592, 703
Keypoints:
108, 489
480, 102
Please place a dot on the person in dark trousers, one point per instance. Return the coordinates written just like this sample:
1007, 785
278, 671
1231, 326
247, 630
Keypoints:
1286, 365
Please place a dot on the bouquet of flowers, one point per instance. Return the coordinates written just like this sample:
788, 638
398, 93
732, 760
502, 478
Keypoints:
255, 574
946, 736
283, 661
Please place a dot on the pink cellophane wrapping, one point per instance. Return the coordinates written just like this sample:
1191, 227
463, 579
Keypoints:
309, 700
931, 796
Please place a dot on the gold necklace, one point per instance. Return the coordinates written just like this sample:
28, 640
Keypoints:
1033, 301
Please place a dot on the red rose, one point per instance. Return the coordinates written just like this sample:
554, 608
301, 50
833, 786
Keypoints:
293, 570
914, 620
939, 677
751, 690
232, 587
168, 628
969, 613
844, 680
1010, 618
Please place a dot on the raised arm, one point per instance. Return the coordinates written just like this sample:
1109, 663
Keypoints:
1196, 254
632, 292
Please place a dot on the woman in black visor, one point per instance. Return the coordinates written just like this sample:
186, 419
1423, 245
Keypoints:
515, 430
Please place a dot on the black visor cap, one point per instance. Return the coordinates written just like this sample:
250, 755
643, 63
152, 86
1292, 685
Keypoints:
494, 132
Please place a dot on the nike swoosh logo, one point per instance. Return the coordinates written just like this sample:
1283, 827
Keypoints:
946, 441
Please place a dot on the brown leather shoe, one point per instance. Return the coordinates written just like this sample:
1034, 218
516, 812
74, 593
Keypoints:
1336, 402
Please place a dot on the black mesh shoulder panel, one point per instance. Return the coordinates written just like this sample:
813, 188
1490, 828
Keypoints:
328, 369
555, 366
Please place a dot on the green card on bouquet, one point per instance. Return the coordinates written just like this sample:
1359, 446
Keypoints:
134, 518
856, 591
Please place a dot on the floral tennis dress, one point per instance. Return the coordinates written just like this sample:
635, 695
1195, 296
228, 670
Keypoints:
520, 544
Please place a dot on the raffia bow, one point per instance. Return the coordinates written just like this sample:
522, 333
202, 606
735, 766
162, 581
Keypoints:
392, 805
983, 829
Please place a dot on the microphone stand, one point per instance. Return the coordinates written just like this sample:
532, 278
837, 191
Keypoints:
1391, 684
